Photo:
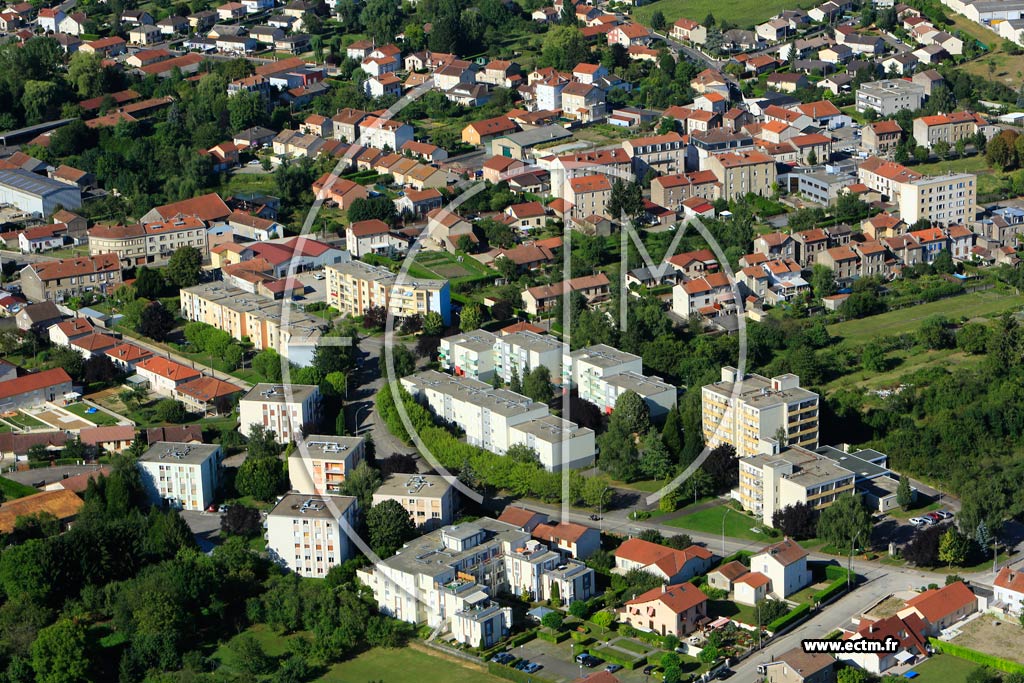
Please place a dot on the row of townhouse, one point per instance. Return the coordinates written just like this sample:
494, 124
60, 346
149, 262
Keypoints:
147, 243
267, 323
496, 419
600, 373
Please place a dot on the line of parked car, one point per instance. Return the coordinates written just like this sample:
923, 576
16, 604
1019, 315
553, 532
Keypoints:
523, 665
930, 518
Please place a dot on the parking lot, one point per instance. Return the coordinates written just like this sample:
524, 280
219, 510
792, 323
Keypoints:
559, 665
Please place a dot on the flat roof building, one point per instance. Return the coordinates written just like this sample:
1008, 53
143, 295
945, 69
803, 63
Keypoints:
321, 463
429, 499
289, 410
307, 534
181, 475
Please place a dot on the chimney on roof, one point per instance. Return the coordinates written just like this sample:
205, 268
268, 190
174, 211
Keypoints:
663, 588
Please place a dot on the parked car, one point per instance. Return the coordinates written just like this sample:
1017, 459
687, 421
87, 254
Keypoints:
918, 521
523, 664
945, 514
612, 668
503, 657
725, 673
588, 660
533, 667
933, 518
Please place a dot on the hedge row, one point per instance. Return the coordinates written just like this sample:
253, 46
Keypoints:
789, 619
834, 572
833, 589
508, 673
616, 657
970, 655
553, 636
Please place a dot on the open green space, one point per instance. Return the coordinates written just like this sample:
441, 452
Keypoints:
977, 304
944, 669
97, 418
441, 264
973, 164
12, 489
743, 13
709, 521
403, 666
902, 363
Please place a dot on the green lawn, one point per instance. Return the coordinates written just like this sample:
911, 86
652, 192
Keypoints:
98, 418
12, 489
743, 13
977, 304
402, 666
25, 421
944, 669
733, 610
709, 521
903, 363
974, 164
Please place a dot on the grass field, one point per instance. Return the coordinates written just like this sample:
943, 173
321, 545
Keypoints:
441, 264
12, 489
904, 362
733, 610
402, 666
944, 669
993, 636
743, 13
904, 320
98, 418
974, 164
24, 421
709, 521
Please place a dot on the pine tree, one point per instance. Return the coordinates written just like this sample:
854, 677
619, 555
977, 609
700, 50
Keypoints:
514, 383
904, 496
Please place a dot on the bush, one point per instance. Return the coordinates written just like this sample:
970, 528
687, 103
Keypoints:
835, 572
833, 589
553, 636
977, 657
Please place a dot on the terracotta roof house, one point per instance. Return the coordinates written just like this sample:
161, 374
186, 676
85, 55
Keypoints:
677, 610
576, 540
207, 395
114, 438
527, 520
911, 634
942, 607
208, 207
64, 505
670, 564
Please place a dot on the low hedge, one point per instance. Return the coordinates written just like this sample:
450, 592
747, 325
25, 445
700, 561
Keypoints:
833, 589
553, 636
834, 572
970, 655
508, 673
736, 556
524, 637
789, 619
650, 637
616, 657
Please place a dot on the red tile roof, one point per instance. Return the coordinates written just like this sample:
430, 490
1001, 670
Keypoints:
74, 267
669, 560
936, 604
679, 597
33, 382
517, 516
785, 552
94, 436
165, 367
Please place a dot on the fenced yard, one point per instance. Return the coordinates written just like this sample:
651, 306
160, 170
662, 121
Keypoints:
994, 636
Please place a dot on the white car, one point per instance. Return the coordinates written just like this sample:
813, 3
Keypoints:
918, 521
319, 276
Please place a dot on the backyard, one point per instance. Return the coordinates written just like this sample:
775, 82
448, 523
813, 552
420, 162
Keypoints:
944, 669
994, 636
12, 489
24, 421
407, 665
98, 417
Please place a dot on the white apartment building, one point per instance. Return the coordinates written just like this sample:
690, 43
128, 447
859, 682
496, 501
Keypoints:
321, 462
428, 498
602, 373
184, 476
446, 578
749, 412
488, 416
523, 351
286, 409
307, 533
468, 354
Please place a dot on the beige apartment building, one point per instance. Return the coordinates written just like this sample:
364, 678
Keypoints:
267, 323
62, 279
428, 498
751, 412
769, 483
949, 128
741, 173
943, 200
144, 243
354, 287
321, 462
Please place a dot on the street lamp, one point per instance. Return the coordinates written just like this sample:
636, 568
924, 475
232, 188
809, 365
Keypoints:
849, 564
724, 514
367, 406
